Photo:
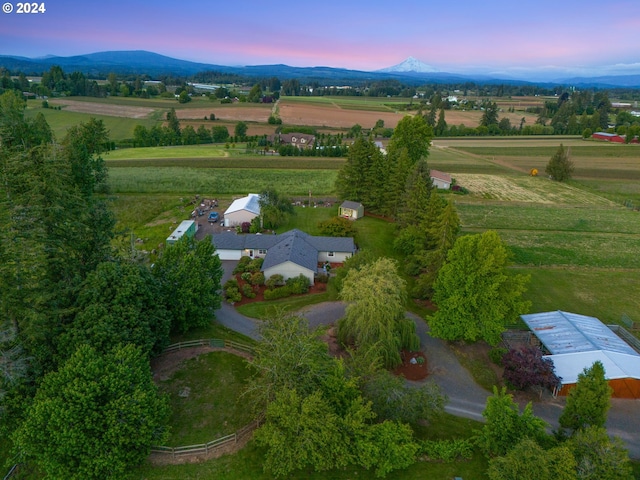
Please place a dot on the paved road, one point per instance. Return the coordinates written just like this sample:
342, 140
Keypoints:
466, 397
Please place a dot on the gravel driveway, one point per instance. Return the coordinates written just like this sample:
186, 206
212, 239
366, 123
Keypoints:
466, 398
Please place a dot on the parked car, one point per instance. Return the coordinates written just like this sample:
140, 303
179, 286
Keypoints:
213, 217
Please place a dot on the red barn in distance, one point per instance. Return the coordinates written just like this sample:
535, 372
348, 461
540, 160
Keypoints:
612, 137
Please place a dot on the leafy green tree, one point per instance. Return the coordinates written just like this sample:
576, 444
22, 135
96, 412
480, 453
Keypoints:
375, 314
529, 461
302, 431
189, 275
476, 297
413, 134
96, 417
219, 134
589, 401
337, 227
255, 95
240, 129
505, 426
392, 399
290, 356
275, 209
385, 447
560, 167
599, 457
189, 136
184, 97
119, 303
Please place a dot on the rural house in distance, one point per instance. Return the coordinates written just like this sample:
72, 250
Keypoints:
289, 254
440, 179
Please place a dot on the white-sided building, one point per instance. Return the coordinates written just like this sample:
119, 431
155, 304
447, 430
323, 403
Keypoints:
242, 210
289, 254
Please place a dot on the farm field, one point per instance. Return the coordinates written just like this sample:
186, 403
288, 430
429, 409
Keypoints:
334, 115
221, 181
60, 120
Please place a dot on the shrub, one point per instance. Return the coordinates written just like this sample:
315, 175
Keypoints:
496, 354
323, 278
245, 227
274, 281
337, 227
299, 284
276, 293
233, 294
446, 450
247, 291
255, 265
525, 367
242, 265
257, 279
246, 276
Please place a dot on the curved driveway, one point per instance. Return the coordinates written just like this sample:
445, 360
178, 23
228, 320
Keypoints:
466, 398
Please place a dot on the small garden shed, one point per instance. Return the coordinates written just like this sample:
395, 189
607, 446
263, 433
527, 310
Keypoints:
351, 210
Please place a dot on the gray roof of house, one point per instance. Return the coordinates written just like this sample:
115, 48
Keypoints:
294, 246
351, 205
564, 332
228, 241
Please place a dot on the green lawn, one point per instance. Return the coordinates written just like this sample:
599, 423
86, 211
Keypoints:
206, 401
182, 151
602, 293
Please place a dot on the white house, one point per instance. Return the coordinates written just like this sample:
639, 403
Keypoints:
289, 254
242, 210
441, 179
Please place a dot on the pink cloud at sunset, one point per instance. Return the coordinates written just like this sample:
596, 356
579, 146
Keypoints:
354, 35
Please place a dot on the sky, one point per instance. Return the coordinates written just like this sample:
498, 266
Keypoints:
512, 38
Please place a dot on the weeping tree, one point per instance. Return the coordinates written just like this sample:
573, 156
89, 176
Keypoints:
375, 314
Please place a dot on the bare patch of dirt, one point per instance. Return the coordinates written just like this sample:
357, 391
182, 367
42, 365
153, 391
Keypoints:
331, 338
334, 116
103, 109
414, 366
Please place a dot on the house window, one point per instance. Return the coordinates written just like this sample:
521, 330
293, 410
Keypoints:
262, 251
330, 254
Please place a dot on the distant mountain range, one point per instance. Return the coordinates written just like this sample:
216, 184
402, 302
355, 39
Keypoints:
410, 71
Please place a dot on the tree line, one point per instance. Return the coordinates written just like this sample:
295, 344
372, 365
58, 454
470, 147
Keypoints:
81, 318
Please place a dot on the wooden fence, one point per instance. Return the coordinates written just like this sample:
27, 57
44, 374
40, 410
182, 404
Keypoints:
627, 336
210, 342
205, 448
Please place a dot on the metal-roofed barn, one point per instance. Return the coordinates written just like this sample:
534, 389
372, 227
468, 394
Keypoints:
577, 341
242, 210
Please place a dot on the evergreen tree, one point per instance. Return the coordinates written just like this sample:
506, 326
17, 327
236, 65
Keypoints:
589, 401
560, 167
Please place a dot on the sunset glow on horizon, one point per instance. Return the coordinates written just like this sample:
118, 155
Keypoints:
564, 37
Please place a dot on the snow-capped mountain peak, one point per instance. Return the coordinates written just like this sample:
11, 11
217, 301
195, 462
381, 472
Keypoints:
410, 65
